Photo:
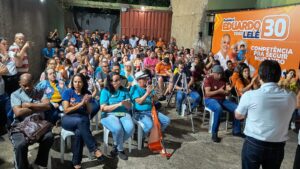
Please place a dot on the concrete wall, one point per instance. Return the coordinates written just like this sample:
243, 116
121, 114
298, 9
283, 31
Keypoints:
188, 20
33, 19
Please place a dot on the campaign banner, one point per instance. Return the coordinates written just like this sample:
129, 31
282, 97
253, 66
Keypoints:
272, 34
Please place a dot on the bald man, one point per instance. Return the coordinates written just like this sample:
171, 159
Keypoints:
26, 101
222, 55
18, 52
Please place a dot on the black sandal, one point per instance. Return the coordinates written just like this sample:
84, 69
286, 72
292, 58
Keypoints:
100, 158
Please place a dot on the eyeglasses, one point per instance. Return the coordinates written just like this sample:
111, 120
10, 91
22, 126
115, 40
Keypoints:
115, 81
105, 66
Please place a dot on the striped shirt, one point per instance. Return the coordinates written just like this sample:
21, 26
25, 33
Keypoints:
12, 51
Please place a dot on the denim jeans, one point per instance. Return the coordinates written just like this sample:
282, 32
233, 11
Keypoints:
217, 107
297, 158
121, 127
80, 124
256, 153
52, 115
180, 96
3, 119
147, 123
20, 146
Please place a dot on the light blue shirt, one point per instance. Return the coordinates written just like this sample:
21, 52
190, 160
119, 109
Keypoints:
137, 92
269, 110
107, 98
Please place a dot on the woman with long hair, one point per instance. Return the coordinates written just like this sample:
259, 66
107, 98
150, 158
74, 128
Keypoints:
77, 107
115, 103
245, 82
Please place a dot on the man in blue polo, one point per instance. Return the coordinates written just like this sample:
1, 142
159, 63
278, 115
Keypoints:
268, 111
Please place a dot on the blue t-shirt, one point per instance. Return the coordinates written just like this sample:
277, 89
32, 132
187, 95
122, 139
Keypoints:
122, 71
130, 78
136, 92
70, 96
98, 70
108, 98
47, 53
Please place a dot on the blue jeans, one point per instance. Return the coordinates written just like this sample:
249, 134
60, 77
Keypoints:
3, 119
258, 153
180, 96
121, 128
52, 115
217, 107
147, 123
80, 124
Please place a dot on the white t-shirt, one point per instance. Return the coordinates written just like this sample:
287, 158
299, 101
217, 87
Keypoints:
133, 42
11, 66
105, 43
143, 42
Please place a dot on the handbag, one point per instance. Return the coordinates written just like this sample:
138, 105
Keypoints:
33, 127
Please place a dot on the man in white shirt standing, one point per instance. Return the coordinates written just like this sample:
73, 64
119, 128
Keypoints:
268, 111
222, 55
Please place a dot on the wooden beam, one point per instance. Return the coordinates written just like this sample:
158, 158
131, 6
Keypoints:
108, 5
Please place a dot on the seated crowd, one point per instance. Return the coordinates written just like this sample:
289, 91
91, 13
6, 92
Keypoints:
123, 78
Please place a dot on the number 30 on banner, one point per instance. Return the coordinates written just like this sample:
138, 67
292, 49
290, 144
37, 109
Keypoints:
275, 27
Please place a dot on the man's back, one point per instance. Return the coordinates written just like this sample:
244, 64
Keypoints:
269, 110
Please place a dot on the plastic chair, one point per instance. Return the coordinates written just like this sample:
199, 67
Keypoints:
140, 130
66, 135
183, 112
211, 114
105, 140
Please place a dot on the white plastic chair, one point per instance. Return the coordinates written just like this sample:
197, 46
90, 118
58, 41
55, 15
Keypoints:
211, 113
183, 113
66, 135
140, 131
105, 140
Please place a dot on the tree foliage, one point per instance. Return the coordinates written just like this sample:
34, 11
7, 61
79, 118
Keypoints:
163, 3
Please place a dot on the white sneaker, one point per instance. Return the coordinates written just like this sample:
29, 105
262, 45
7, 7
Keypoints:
293, 125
